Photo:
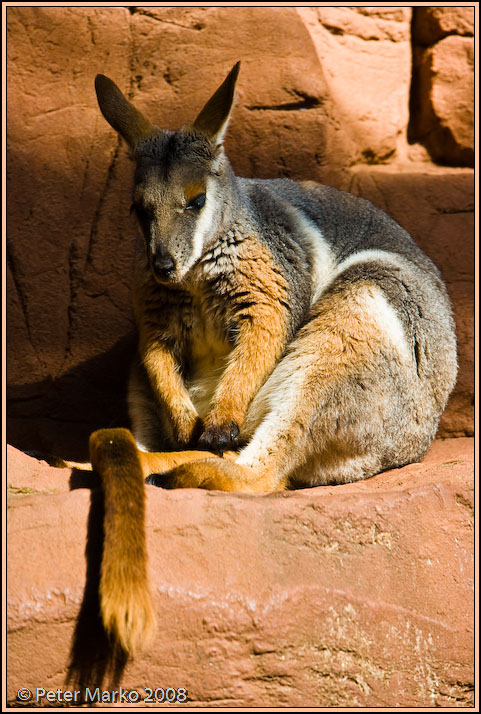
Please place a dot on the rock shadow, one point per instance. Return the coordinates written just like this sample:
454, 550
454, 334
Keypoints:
94, 658
56, 416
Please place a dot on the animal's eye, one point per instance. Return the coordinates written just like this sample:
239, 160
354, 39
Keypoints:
196, 203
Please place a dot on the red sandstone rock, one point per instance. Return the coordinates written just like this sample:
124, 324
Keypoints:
354, 595
431, 24
305, 109
446, 100
453, 88
365, 55
71, 244
442, 102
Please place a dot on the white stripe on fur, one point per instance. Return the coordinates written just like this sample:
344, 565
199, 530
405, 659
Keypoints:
323, 267
375, 256
204, 222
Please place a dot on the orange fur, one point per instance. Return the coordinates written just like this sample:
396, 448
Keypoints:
223, 475
169, 388
79, 465
161, 462
261, 338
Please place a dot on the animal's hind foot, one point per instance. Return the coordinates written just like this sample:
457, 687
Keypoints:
155, 480
156, 464
218, 474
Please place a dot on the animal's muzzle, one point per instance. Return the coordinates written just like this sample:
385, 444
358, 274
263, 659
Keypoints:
163, 265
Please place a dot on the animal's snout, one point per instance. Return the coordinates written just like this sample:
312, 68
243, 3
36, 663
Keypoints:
163, 264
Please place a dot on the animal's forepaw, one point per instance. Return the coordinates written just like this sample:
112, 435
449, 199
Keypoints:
187, 432
219, 438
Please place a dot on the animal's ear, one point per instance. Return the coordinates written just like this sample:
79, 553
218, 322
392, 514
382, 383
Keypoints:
213, 118
120, 113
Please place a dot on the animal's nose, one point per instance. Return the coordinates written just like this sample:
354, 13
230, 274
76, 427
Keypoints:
163, 264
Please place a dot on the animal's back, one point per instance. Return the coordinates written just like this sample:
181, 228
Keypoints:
345, 223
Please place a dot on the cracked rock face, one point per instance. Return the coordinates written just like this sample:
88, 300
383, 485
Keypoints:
299, 113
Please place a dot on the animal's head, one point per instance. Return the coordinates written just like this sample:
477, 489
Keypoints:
180, 177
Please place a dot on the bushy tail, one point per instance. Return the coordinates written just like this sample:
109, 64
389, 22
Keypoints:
125, 598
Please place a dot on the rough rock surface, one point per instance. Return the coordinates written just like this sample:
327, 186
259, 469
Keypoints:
368, 47
431, 24
442, 101
354, 595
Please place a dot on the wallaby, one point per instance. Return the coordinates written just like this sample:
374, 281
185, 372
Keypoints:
294, 331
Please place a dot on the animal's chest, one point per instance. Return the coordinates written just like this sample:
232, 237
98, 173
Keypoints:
207, 351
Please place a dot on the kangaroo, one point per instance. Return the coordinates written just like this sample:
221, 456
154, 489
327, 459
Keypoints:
290, 335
